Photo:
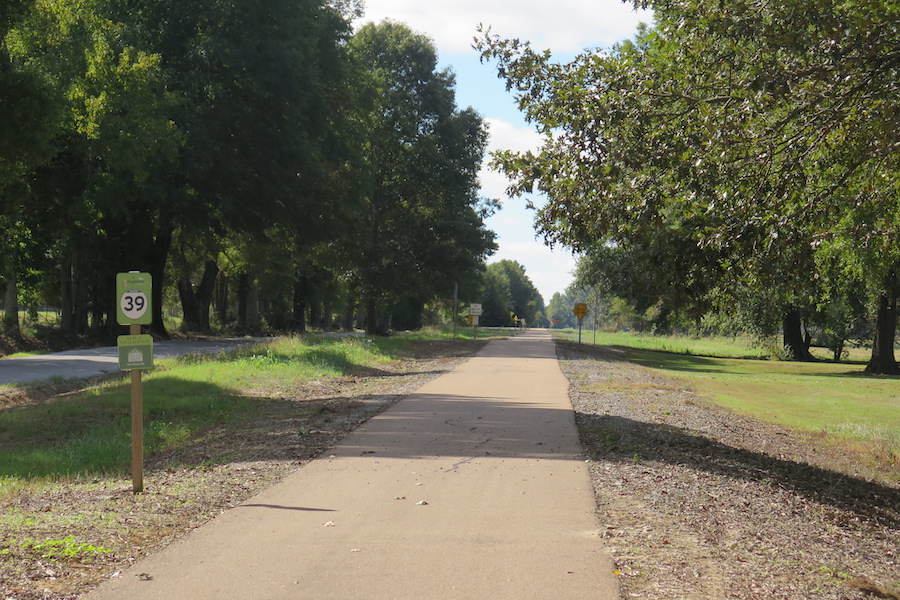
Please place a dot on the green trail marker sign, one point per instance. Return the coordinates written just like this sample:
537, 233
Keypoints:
135, 352
133, 294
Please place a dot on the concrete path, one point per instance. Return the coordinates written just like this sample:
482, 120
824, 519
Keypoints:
98, 361
472, 487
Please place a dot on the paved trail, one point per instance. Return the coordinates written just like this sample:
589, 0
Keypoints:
472, 487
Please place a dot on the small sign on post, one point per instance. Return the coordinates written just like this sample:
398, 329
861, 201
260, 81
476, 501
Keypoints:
135, 352
581, 312
474, 312
134, 293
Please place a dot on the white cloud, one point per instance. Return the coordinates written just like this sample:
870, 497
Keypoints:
504, 136
566, 26
507, 136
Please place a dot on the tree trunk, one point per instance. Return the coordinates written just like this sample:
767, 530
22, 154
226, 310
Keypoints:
315, 315
67, 297
80, 302
221, 299
883, 361
253, 305
243, 292
371, 317
11, 306
299, 304
349, 313
327, 316
794, 341
162, 242
195, 301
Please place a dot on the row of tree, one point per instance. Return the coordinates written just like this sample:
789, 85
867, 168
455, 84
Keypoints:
261, 159
508, 294
740, 153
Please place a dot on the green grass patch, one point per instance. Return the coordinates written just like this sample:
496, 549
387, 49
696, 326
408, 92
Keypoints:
24, 354
406, 342
733, 347
65, 548
90, 434
810, 396
836, 399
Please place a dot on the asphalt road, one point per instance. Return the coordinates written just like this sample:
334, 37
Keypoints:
473, 487
98, 361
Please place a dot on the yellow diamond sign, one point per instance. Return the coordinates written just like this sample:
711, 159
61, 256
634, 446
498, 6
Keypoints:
580, 310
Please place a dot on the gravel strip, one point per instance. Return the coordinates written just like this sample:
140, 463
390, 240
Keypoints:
697, 502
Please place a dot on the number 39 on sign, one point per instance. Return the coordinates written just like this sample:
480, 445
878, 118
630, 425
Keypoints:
133, 294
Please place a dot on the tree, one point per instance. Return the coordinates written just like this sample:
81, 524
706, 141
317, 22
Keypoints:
261, 93
560, 309
758, 130
510, 293
116, 126
188, 120
418, 221
29, 115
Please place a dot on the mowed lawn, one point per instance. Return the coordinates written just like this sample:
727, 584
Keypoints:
823, 397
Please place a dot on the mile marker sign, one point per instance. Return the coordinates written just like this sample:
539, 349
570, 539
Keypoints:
133, 294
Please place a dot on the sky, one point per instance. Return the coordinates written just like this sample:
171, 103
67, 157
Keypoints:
566, 27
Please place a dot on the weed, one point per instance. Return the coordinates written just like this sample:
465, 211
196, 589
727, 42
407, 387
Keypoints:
66, 548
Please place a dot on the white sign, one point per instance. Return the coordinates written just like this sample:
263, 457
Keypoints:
475, 310
133, 304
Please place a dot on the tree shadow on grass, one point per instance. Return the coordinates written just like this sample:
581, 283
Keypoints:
90, 434
620, 439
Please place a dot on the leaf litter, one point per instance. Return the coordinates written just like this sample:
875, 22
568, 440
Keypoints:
700, 503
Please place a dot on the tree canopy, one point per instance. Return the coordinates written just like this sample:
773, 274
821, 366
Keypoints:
509, 294
745, 142
264, 159
418, 218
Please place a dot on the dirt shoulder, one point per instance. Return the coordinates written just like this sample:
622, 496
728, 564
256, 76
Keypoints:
60, 539
698, 502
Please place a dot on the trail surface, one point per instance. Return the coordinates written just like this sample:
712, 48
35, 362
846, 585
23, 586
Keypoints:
472, 487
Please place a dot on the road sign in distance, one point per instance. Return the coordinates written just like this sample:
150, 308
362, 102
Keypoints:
475, 310
133, 294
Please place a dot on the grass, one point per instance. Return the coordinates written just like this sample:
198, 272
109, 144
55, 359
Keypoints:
89, 434
734, 347
398, 344
24, 354
836, 399
810, 396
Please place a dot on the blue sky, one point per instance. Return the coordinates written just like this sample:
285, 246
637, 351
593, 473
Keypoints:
565, 27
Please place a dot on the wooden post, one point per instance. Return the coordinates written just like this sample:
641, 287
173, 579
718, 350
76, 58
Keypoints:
137, 425
455, 310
